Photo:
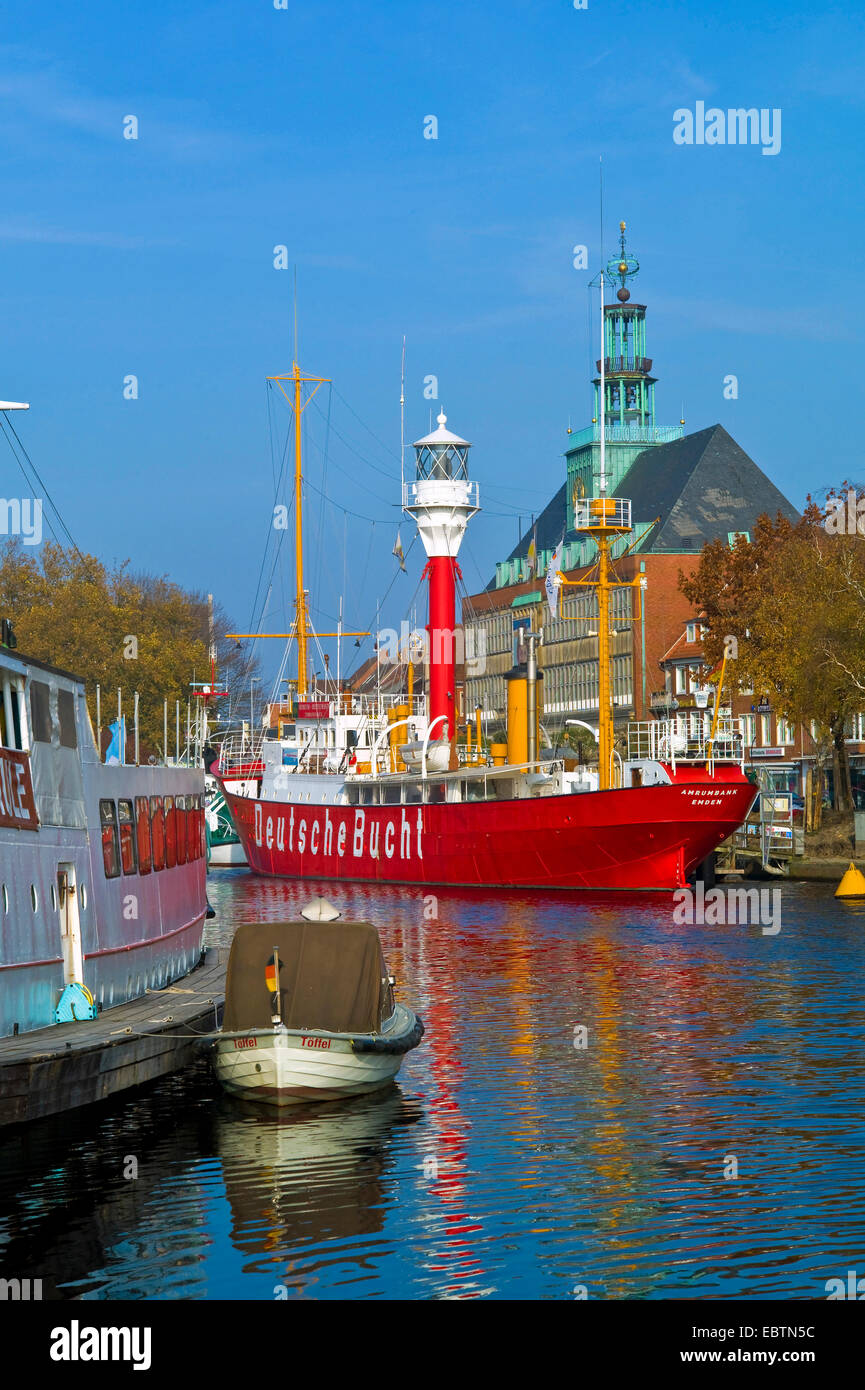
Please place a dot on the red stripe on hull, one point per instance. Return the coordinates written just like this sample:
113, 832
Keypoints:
639, 838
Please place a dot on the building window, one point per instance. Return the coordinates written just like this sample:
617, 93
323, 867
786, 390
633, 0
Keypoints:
110, 853
681, 679
691, 632
785, 730
765, 729
856, 729
749, 729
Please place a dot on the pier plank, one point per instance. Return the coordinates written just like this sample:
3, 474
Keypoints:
69, 1065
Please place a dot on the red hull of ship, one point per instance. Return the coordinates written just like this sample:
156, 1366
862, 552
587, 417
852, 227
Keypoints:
645, 838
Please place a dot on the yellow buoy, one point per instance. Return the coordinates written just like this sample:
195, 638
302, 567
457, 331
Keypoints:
852, 884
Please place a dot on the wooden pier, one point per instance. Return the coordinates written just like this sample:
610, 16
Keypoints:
68, 1065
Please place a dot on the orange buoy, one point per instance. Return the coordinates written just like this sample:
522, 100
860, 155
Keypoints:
852, 884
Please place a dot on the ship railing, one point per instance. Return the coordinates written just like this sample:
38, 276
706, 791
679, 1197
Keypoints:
664, 741
472, 757
473, 783
347, 702
426, 491
240, 751
602, 514
377, 706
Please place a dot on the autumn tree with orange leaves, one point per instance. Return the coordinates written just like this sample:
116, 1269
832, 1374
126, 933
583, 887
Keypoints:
794, 599
75, 612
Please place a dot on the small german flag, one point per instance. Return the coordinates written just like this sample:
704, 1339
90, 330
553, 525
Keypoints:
271, 973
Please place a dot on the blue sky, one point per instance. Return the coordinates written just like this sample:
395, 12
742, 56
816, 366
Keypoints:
304, 127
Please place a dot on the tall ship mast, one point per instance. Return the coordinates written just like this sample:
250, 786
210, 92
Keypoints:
380, 790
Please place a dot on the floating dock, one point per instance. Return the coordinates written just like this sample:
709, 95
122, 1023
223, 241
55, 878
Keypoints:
51, 1070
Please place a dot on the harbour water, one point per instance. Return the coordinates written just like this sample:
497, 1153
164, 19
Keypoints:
702, 1138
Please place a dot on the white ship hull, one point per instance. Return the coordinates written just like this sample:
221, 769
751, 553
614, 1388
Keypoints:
102, 868
227, 855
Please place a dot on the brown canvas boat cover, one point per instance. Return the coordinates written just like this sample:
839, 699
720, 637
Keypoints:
332, 977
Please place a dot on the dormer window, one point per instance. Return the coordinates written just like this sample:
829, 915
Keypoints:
691, 632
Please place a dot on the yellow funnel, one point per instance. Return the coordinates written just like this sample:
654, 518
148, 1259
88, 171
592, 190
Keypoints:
852, 884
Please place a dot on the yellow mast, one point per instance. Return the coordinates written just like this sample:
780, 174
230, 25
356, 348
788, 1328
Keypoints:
717, 705
604, 519
301, 622
605, 709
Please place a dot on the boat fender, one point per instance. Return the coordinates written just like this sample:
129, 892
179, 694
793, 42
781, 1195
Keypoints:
391, 1047
75, 1005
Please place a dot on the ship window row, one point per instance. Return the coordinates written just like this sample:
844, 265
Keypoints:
34, 897
151, 833
577, 611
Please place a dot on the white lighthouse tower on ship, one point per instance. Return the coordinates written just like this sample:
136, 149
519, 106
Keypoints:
441, 500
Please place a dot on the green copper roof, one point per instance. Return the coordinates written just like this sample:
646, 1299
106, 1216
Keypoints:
522, 599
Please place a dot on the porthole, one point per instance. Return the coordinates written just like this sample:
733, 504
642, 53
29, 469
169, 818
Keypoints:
53, 898
5, 898
34, 897
83, 896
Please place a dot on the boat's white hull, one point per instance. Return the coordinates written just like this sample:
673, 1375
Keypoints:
225, 855
286, 1069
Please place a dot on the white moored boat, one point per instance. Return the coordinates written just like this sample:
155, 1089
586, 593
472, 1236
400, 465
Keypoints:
310, 1012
